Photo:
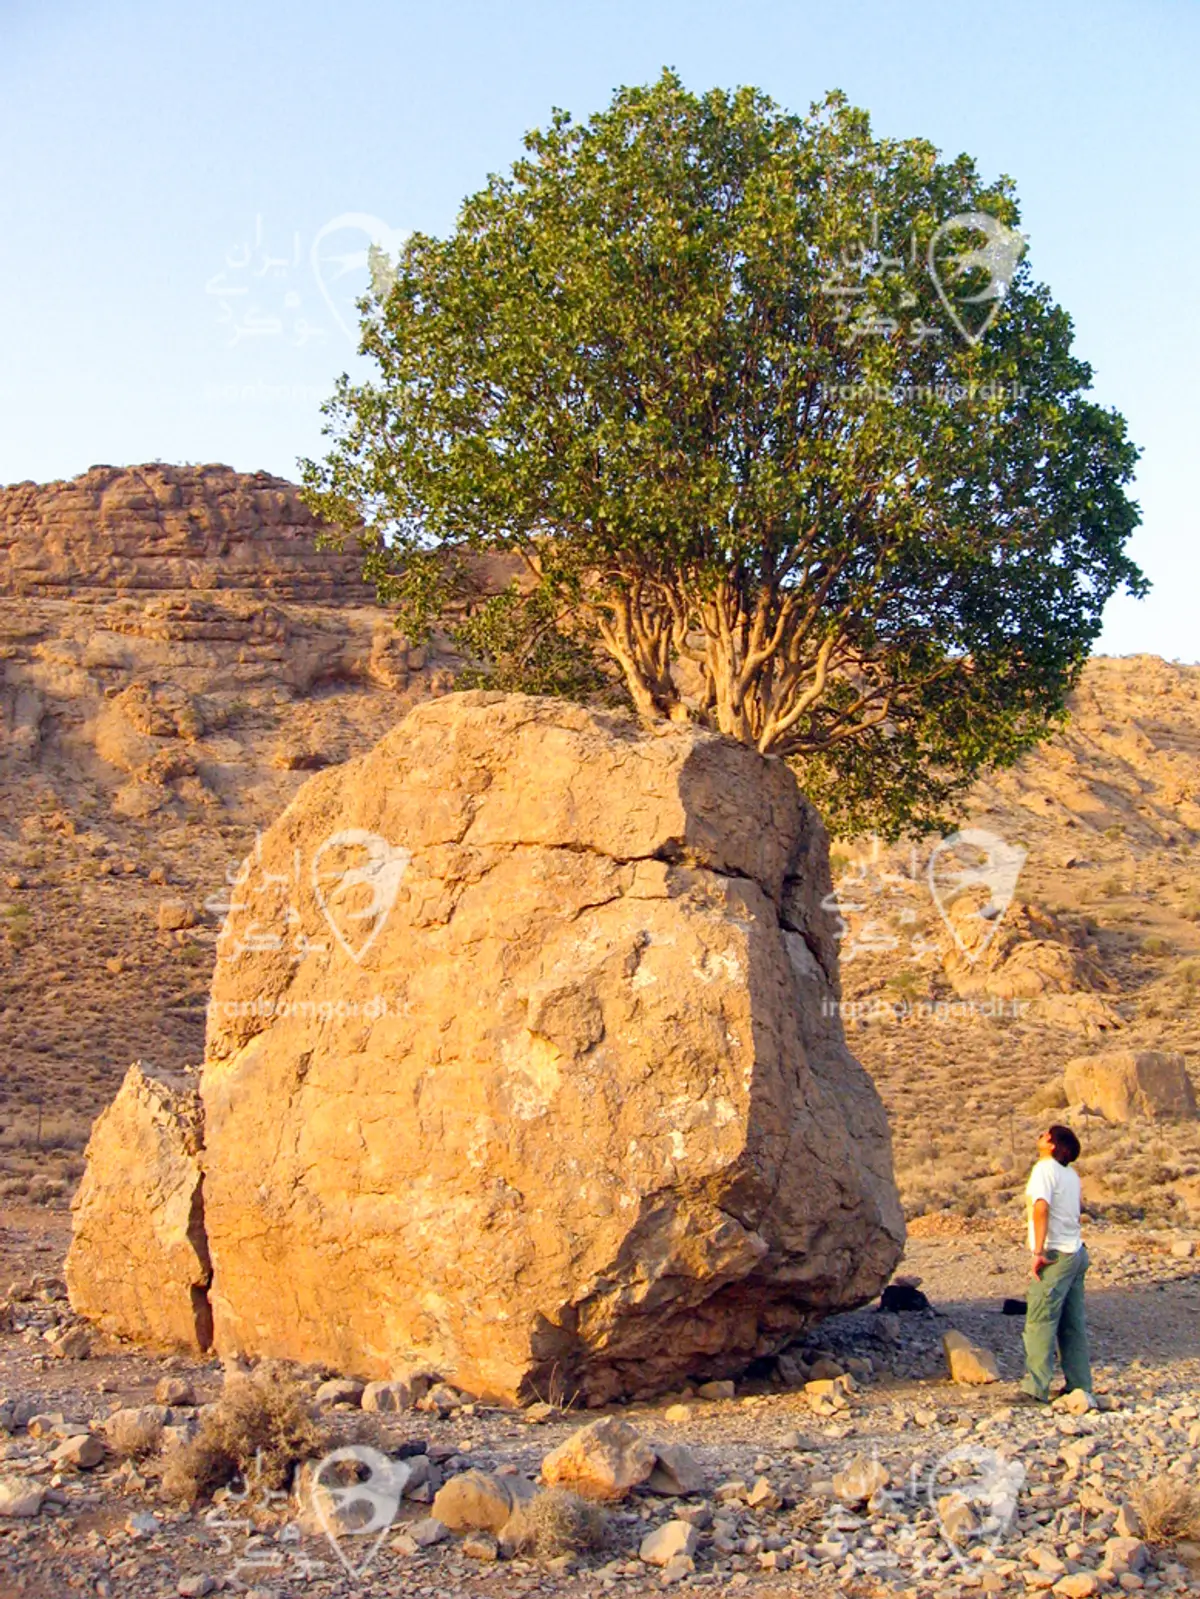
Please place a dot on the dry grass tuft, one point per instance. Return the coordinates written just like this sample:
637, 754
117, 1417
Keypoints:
556, 1522
260, 1427
133, 1433
1170, 1511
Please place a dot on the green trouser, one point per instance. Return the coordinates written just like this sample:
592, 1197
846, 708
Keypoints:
1055, 1313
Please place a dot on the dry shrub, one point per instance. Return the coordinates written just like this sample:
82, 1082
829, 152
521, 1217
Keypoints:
1170, 1511
260, 1428
556, 1522
135, 1432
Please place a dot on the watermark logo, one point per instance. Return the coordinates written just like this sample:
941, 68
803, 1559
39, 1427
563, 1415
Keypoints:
355, 878
973, 1491
951, 265
276, 289
355, 1493
982, 869
348, 247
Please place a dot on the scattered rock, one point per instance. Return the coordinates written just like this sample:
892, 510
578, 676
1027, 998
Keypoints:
860, 1479
480, 1499
968, 1362
73, 1343
677, 1471
175, 1391
428, 1532
84, 1452
440, 1397
665, 1543
480, 1546
1077, 1585
338, 1391
603, 1460
19, 1498
716, 1390
195, 1587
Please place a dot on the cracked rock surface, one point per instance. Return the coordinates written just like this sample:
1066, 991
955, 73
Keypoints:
522, 1063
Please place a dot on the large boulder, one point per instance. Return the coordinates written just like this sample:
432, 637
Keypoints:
138, 1264
524, 1061
1124, 1084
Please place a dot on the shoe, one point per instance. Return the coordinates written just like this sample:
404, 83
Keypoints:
1024, 1397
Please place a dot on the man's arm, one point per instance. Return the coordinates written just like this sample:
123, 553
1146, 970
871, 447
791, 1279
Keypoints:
1041, 1224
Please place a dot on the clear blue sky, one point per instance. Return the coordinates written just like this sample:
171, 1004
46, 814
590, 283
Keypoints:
166, 170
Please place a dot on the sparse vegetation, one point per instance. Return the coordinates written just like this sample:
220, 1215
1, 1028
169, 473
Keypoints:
557, 1522
261, 1422
1170, 1511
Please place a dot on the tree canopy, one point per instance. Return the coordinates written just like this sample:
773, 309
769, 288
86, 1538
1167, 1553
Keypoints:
775, 429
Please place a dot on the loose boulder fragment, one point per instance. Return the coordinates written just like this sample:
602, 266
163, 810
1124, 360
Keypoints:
480, 1500
969, 1362
603, 1460
138, 1265
1126, 1084
665, 1543
677, 1471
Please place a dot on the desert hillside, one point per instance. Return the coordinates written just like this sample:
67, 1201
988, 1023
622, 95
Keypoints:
176, 657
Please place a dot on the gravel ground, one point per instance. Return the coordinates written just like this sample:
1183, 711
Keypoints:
776, 1516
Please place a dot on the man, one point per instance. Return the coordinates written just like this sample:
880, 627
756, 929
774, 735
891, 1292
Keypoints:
1054, 1312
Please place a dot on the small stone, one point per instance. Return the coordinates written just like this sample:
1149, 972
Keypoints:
441, 1397
175, 1391
1077, 1585
1183, 1248
677, 1471
1077, 1403
142, 1524
677, 1413
73, 1344
861, 1478
957, 1517
84, 1452
387, 1397
1128, 1523
480, 1546
428, 1532
45, 1424
19, 1498
662, 1545
679, 1567
968, 1362
716, 1390
195, 1587
338, 1391
537, 1414
762, 1496
1125, 1554
823, 1368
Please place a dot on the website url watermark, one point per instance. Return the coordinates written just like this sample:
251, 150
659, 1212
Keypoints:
939, 1011
323, 1010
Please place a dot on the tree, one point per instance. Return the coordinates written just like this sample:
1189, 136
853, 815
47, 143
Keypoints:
705, 372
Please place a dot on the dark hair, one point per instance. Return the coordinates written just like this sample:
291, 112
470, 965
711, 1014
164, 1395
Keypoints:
1066, 1145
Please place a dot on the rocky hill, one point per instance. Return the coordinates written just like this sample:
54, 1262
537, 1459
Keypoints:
175, 658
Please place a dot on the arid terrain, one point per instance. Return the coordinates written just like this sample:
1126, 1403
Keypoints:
176, 659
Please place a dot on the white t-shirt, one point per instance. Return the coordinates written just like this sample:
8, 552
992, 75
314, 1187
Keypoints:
1059, 1187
